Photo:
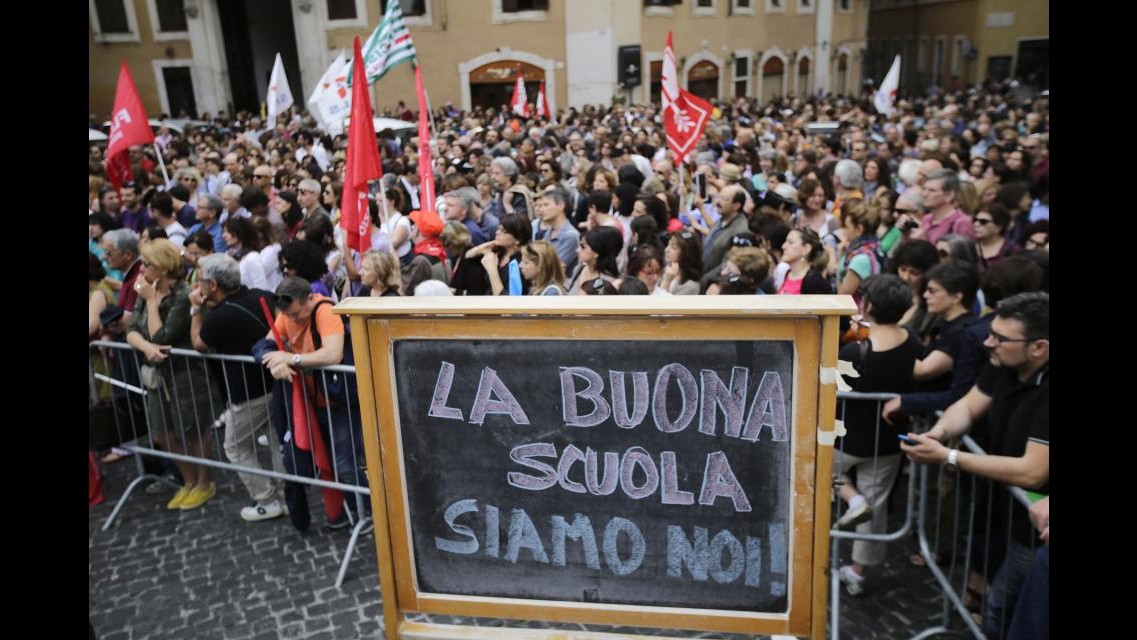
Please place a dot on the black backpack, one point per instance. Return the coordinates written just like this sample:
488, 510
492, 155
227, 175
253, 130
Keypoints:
340, 386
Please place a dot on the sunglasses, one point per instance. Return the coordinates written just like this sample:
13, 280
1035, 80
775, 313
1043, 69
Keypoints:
982, 221
899, 210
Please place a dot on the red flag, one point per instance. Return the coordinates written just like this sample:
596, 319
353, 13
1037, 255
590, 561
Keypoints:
362, 162
519, 102
685, 123
543, 110
306, 433
425, 158
129, 126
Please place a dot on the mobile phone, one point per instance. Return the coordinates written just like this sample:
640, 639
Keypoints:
903, 437
701, 184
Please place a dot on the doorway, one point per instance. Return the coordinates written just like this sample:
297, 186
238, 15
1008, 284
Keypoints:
254, 31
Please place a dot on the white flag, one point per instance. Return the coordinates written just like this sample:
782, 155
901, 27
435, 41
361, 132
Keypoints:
885, 98
334, 104
279, 94
322, 86
670, 90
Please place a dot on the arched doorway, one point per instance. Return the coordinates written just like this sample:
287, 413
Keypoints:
773, 74
703, 80
491, 85
804, 87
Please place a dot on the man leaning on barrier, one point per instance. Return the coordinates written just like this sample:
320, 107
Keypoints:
1013, 391
226, 318
298, 309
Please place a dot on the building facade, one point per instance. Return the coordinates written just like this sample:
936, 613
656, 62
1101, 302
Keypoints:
960, 42
205, 56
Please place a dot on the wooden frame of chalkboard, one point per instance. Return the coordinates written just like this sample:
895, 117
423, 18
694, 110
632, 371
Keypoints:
395, 338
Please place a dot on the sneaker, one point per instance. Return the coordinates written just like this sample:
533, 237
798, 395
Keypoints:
854, 516
267, 511
335, 525
198, 496
854, 584
175, 503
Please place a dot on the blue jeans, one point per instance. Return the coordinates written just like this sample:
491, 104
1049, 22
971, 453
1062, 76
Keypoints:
346, 444
1004, 591
1032, 611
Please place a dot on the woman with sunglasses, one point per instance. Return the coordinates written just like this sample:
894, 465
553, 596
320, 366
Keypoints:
502, 255
990, 224
179, 401
684, 255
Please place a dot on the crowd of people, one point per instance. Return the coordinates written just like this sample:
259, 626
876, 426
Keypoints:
935, 219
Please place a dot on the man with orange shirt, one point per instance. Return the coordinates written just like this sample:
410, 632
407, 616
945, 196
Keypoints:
298, 309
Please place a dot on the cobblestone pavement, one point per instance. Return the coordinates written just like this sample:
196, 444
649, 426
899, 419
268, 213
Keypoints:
208, 574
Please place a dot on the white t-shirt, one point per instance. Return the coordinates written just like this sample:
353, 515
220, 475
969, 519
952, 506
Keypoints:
396, 220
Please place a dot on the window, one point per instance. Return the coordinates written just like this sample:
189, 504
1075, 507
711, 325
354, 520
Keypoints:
845, 6
741, 75
706, 3
660, 8
805, 6
411, 8
514, 6
112, 16
520, 11
341, 10
703, 8
775, 6
171, 15
114, 20
741, 8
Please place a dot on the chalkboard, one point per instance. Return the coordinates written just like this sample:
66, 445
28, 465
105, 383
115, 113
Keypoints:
624, 472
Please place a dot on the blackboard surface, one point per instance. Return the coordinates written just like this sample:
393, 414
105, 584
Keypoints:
695, 511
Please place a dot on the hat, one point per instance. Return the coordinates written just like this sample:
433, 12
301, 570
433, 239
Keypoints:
730, 172
429, 225
786, 192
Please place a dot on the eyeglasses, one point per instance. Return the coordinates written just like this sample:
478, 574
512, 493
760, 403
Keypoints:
899, 210
982, 221
1004, 339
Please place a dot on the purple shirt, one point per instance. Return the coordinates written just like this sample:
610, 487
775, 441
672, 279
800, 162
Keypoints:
957, 223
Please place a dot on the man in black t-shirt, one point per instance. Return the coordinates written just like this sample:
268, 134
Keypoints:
234, 323
1013, 391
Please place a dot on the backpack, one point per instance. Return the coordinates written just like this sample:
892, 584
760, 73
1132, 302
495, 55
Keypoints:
340, 386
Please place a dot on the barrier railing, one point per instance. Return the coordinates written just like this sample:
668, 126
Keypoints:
174, 411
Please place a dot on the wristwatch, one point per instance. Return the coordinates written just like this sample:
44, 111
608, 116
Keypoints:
296, 363
952, 461
193, 311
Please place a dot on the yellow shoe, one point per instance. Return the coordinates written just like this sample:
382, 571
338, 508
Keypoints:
198, 496
179, 497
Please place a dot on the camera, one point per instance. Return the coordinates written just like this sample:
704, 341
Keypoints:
909, 225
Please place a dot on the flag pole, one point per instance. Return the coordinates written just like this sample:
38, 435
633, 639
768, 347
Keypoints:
162, 163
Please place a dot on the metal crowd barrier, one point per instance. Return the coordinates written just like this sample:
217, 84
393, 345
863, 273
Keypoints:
193, 413
961, 545
876, 500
